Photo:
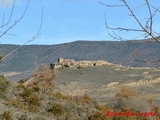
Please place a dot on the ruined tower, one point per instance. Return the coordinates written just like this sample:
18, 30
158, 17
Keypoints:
60, 60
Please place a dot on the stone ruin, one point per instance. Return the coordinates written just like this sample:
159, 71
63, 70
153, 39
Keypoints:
77, 64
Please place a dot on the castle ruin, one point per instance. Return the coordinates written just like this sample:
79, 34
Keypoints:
78, 64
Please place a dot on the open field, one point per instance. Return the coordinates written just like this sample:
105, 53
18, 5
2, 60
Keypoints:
102, 83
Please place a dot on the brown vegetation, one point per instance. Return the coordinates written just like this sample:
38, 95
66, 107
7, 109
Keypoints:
128, 100
42, 79
125, 92
53, 103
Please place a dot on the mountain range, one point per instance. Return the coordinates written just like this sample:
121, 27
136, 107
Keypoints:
140, 53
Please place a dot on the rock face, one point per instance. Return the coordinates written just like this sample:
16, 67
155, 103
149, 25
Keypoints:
78, 64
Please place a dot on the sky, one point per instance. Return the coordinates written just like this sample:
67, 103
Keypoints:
67, 20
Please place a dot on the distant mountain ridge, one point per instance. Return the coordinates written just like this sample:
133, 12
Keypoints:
117, 52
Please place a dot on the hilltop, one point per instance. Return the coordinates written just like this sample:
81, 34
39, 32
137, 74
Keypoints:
123, 53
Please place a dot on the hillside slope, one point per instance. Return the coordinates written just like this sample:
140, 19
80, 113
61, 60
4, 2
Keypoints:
124, 53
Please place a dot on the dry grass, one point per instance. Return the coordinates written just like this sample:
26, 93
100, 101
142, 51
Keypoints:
154, 108
122, 100
42, 79
30, 99
44, 73
128, 99
25, 100
102, 108
98, 116
83, 100
57, 109
125, 92
78, 99
144, 82
16, 102
113, 84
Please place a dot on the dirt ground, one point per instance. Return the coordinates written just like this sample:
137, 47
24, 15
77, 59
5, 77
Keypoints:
102, 83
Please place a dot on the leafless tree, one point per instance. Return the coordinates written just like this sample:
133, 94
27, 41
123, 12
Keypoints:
7, 25
146, 26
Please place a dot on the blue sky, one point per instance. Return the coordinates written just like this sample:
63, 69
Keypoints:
66, 20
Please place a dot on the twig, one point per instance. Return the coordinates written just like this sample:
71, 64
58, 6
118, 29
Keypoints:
17, 21
148, 32
148, 62
30, 40
110, 5
3, 25
150, 18
138, 7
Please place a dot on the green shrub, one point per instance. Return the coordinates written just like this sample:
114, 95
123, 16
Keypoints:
4, 84
56, 109
16, 102
20, 85
32, 109
33, 100
1, 56
7, 115
26, 93
58, 95
22, 81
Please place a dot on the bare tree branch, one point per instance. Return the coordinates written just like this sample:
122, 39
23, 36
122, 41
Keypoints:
140, 24
106, 25
147, 62
150, 18
3, 20
117, 37
9, 34
17, 21
125, 29
111, 5
146, 26
30, 40
156, 9
138, 7
3, 25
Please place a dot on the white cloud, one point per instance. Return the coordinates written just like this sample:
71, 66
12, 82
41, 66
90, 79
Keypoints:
8, 3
